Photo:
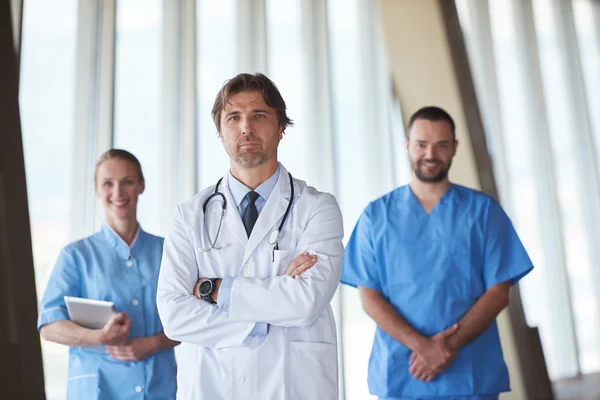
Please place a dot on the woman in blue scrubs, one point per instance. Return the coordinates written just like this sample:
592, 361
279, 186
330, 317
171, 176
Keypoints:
130, 357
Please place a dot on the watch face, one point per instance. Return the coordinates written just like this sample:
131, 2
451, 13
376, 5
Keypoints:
205, 288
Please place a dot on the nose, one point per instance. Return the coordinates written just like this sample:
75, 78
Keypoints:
430, 152
119, 190
247, 127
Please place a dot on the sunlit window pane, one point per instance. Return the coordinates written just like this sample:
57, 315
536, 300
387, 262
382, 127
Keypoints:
587, 19
353, 190
137, 97
571, 181
47, 115
285, 68
216, 56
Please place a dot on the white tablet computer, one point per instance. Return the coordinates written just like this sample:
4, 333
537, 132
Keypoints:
93, 314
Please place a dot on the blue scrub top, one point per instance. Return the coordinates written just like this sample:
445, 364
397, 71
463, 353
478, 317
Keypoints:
433, 268
104, 267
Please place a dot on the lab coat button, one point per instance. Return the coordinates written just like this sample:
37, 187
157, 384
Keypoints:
248, 266
225, 306
138, 388
129, 263
241, 379
135, 302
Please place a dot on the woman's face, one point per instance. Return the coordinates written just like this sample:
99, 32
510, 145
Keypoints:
118, 186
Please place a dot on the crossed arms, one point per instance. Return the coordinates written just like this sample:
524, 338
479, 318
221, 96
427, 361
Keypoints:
432, 355
278, 300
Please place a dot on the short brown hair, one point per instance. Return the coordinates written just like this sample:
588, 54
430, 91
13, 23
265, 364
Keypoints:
251, 83
121, 155
432, 113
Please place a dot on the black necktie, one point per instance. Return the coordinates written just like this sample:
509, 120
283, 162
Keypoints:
251, 213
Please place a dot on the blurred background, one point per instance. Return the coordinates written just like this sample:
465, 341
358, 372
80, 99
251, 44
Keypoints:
142, 75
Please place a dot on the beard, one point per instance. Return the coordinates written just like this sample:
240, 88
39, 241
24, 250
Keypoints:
251, 157
423, 176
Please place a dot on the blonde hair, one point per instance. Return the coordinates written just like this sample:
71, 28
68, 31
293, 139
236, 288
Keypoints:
120, 155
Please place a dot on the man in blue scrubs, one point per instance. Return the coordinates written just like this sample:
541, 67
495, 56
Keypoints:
434, 262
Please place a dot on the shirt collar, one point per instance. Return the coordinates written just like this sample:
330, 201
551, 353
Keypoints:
238, 190
118, 244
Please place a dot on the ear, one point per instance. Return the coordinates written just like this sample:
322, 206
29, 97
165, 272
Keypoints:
142, 187
406, 143
281, 130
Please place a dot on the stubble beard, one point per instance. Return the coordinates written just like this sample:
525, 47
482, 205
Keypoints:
440, 176
251, 158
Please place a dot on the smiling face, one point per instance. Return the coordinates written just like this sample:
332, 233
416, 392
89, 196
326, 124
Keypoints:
431, 147
250, 131
118, 185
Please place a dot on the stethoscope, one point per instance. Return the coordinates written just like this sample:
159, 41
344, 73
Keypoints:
273, 237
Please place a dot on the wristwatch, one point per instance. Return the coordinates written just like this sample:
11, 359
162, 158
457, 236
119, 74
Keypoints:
206, 289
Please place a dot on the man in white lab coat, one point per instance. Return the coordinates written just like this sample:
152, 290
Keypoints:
250, 266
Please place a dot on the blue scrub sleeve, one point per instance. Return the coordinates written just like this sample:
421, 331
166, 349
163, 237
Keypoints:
64, 281
359, 266
505, 256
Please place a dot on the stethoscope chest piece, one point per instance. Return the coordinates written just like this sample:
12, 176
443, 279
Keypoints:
274, 236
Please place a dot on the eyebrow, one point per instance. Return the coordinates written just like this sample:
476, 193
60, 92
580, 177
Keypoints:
110, 178
438, 142
254, 111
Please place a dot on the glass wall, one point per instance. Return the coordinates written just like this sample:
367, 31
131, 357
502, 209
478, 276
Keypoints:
137, 122
216, 62
47, 115
540, 77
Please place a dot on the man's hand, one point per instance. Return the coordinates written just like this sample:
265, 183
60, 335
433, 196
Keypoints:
136, 349
301, 264
420, 371
434, 357
116, 330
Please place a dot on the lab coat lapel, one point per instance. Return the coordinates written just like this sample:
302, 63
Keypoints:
232, 216
272, 213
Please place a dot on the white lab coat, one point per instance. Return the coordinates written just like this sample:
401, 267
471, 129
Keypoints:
298, 358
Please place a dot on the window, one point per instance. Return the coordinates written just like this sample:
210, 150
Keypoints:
216, 57
47, 114
137, 97
548, 170
285, 67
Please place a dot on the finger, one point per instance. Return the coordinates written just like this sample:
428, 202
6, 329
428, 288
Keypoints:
295, 262
430, 377
116, 349
450, 331
413, 358
412, 369
420, 375
115, 320
299, 270
127, 326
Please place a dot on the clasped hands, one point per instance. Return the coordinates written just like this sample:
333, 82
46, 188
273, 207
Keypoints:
433, 356
115, 335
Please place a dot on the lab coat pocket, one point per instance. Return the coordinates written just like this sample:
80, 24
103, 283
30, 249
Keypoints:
281, 260
313, 371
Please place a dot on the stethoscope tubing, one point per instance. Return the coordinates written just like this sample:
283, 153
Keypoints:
217, 193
